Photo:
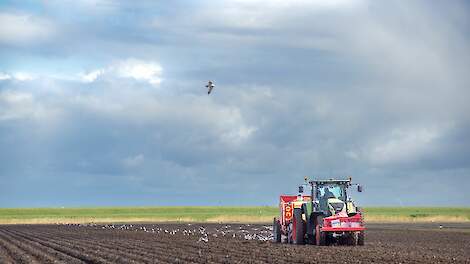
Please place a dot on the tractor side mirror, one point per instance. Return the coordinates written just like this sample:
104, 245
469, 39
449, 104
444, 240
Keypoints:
301, 189
359, 188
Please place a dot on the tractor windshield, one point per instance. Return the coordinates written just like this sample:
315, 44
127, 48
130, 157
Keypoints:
331, 191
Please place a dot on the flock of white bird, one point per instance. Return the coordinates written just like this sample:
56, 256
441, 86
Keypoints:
246, 232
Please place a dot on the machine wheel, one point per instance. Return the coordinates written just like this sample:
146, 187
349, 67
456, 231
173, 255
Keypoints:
298, 234
276, 231
323, 239
351, 239
311, 239
289, 233
310, 229
317, 235
320, 237
361, 238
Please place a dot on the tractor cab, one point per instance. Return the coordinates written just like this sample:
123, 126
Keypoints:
331, 197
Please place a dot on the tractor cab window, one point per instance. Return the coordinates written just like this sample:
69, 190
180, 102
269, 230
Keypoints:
330, 191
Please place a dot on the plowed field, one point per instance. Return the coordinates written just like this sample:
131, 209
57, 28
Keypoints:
224, 243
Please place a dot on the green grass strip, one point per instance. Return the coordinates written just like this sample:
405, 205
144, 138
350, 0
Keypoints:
213, 214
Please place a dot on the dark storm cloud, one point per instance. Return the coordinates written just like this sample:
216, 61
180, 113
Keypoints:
108, 106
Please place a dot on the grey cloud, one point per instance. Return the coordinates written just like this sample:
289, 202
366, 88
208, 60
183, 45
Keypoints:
374, 90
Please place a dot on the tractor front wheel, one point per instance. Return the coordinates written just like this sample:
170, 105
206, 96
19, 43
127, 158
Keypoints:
361, 238
351, 239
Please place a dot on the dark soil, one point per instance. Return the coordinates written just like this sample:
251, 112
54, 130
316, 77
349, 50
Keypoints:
224, 243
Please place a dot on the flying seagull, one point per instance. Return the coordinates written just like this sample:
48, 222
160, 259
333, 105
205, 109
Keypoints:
210, 85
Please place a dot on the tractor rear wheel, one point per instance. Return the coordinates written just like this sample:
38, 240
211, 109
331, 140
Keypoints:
276, 231
361, 238
298, 234
320, 237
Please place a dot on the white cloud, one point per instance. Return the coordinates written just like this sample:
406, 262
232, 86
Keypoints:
139, 70
24, 29
403, 145
92, 76
399, 146
23, 76
18, 76
4, 76
222, 123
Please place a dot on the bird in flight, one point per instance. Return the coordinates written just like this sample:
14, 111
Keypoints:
210, 85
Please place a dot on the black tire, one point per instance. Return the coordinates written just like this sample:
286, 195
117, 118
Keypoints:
289, 233
352, 239
276, 231
311, 239
309, 226
323, 239
361, 238
320, 237
299, 227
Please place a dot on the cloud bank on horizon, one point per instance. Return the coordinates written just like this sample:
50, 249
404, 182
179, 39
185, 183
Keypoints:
103, 102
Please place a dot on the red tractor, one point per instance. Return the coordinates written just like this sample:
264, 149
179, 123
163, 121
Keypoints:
326, 216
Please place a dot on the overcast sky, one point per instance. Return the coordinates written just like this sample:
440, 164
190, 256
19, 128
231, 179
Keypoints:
103, 102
